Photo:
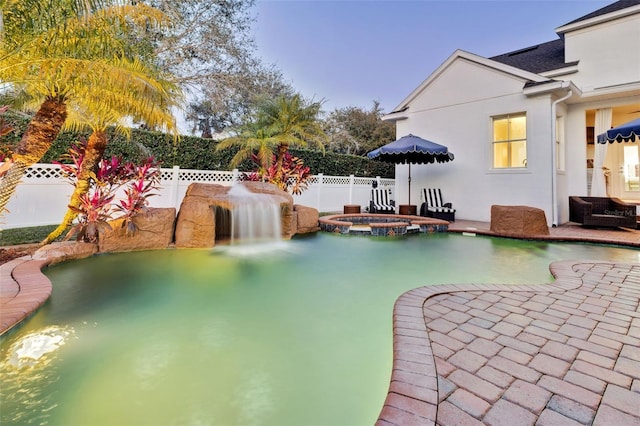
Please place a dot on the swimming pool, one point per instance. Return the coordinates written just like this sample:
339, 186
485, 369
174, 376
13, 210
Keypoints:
300, 336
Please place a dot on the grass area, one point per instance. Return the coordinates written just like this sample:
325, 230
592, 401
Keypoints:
34, 234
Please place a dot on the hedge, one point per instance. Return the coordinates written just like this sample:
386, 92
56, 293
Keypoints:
190, 152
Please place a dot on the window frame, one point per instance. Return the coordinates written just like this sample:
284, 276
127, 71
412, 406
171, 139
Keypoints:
509, 141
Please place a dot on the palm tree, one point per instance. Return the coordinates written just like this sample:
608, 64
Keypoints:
253, 140
106, 106
278, 124
62, 53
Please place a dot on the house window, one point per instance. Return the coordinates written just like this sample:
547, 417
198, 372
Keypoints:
510, 141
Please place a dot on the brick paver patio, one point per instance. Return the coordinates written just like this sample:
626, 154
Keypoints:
566, 353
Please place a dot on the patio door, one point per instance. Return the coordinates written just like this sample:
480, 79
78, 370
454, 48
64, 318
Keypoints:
629, 171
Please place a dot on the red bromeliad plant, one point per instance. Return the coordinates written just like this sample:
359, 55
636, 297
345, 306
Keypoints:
76, 156
146, 179
294, 177
93, 215
95, 208
113, 172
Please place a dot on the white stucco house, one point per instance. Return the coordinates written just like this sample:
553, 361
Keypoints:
522, 125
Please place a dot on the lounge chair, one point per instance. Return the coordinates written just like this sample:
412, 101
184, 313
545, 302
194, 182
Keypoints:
602, 212
381, 201
434, 207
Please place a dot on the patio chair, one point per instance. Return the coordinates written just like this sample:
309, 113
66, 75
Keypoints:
434, 207
605, 212
381, 201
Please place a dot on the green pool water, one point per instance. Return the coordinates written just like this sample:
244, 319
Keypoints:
298, 336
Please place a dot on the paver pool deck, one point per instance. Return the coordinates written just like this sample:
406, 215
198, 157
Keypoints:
563, 353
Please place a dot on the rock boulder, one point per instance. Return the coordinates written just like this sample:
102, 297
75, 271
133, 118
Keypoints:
518, 221
67, 250
307, 219
155, 231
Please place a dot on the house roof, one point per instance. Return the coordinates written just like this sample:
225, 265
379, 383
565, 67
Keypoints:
549, 56
613, 7
537, 59
536, 64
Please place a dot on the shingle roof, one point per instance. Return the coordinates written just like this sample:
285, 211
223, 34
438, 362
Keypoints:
537, 59
550, 55
613, 7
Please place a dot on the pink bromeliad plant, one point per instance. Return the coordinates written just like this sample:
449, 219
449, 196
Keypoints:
294, 176
144, 180
96, 207
76, 156
93, 214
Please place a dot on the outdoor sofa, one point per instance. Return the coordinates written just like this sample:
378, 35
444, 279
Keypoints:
602, 212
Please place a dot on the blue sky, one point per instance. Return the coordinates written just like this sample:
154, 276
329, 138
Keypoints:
351, 52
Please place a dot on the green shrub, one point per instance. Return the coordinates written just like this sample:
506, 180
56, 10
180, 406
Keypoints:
191, 152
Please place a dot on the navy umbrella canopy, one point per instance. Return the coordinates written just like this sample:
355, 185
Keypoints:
627, 132
411, 149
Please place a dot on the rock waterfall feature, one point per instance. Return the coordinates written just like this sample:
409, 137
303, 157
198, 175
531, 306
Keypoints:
209, 213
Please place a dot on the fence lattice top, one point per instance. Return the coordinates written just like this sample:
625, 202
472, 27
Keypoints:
53, 172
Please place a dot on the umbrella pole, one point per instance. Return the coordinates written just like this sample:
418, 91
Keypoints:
409, 183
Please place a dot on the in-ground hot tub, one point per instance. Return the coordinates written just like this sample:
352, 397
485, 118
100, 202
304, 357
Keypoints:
381, 224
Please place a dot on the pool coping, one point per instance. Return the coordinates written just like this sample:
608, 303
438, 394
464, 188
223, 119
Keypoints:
23, 290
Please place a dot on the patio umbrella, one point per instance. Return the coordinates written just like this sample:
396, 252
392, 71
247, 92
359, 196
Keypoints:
627, 132
411, 149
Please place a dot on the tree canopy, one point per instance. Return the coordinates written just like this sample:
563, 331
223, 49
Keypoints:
212, 50
79, 63
353, 130
278, 124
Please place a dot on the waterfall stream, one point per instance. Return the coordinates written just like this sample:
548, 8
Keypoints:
255, 218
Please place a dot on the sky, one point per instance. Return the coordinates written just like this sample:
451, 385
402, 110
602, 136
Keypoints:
352, 52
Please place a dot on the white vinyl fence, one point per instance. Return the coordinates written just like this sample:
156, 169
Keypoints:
42, 196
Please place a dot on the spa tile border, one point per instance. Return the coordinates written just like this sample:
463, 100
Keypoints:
382, 225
